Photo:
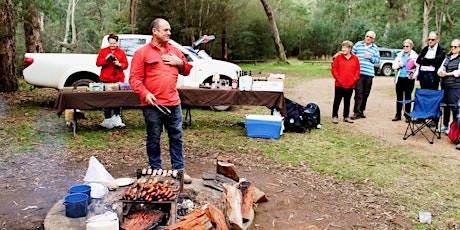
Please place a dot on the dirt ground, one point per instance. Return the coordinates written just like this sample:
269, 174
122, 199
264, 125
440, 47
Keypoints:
298, 197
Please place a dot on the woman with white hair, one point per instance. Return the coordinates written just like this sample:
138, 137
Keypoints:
450, 82
404, 78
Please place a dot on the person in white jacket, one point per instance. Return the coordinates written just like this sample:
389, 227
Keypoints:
406, 71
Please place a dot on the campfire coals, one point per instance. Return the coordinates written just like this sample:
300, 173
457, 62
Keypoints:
184, 206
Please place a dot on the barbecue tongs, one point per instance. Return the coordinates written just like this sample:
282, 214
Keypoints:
163, 109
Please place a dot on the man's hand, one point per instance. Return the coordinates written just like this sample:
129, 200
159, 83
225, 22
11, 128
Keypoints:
171, 59
367, 55
150, 99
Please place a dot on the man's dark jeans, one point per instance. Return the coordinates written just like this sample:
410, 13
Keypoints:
155, 120
362, 90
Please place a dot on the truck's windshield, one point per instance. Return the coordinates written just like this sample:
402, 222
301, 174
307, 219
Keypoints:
130, 45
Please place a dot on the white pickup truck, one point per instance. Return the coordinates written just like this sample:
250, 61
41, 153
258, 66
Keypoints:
57, 70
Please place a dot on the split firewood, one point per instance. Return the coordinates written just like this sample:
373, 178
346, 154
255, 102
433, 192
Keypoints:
247, 190
233, 197
217, 217
215, 181
226, 167
259, 196
218, 177
195, 220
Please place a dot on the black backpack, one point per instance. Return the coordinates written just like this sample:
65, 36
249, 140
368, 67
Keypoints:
295, 119
312, 116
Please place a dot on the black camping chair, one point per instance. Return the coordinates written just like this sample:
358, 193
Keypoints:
425, 114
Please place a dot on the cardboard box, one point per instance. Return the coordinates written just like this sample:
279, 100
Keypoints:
274, 85
264, 126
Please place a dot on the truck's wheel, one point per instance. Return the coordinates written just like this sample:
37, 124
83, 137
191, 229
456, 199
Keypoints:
82, 82
387, 70
220, 107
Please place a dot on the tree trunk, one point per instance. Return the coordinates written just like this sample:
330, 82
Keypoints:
132, 15
65, 41
224, 45
32, 28
449, 17
426, 19
275, 34
8, 77
74, 29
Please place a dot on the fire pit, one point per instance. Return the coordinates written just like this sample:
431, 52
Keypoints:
195, 202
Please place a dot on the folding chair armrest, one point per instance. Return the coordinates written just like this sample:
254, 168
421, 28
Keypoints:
446, 105
406, 101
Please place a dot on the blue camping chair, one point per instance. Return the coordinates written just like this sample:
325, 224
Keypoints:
424, 118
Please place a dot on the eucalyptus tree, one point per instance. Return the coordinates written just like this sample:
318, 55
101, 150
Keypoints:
8, 76
275, 34
32, 27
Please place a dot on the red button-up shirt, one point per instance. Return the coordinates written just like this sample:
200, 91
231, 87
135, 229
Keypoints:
109, 73
149, 73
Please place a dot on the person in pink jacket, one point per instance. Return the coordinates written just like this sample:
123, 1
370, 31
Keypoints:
113, 61
345, 70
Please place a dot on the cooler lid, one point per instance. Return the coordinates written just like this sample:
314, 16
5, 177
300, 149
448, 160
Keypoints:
264, 117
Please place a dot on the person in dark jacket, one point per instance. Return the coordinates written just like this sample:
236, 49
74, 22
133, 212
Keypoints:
450, 82
430, 60
345, 70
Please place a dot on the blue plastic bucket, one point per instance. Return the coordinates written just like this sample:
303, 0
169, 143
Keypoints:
76, 205
82, 188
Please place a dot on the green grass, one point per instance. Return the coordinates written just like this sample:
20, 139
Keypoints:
404, 177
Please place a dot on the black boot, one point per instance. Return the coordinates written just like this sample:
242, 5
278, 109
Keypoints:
396, 118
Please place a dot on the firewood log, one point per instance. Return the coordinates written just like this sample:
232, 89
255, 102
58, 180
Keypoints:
226, 167
195, 220
248, 201
217, 217
259, 196
215, 181
234, 199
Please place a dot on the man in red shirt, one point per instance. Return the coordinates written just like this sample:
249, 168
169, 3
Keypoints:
345, 70
153, 76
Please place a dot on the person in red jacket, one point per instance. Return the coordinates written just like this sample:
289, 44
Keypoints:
113, 61
345, 70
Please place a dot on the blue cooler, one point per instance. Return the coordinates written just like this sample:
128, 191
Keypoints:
264, 126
